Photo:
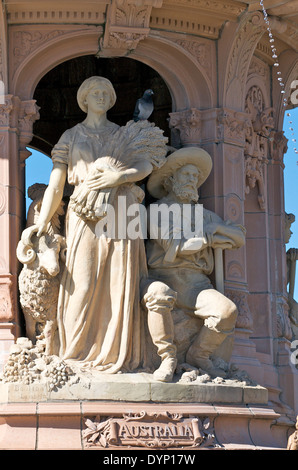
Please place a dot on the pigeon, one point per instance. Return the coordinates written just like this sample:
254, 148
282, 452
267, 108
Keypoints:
144, 107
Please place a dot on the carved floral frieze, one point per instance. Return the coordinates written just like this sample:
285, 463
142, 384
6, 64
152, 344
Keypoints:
25, 41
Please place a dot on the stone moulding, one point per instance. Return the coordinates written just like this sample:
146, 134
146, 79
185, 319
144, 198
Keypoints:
75, 425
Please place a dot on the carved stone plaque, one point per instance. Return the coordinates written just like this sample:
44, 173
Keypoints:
162, 430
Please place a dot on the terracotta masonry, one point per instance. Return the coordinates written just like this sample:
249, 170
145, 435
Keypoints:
217, 64
62, 426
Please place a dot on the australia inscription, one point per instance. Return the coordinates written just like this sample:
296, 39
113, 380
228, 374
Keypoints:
162, 430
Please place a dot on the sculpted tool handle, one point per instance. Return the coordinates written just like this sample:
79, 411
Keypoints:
219, 274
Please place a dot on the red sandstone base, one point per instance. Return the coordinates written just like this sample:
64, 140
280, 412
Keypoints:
79, 425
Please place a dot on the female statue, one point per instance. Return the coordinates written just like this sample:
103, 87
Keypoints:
98, 315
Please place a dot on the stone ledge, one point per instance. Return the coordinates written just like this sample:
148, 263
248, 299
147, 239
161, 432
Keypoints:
139, 387
61, 425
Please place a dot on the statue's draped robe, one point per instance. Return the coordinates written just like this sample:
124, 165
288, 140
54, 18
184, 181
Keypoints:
99, 318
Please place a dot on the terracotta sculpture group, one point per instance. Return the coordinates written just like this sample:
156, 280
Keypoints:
126, 304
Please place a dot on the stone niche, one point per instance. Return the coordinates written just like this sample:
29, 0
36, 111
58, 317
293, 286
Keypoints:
48, 404
59, 110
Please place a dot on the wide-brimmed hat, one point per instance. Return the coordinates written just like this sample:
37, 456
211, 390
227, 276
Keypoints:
185, 156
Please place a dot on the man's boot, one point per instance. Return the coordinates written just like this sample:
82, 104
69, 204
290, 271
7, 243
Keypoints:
159, 303
202, 348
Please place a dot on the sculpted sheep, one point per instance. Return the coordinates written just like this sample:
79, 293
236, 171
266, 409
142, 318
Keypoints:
39, 284
39, 279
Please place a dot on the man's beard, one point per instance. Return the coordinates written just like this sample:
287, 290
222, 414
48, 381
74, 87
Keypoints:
185, 193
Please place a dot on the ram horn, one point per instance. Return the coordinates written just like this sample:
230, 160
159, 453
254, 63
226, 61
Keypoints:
27, 234
25, 253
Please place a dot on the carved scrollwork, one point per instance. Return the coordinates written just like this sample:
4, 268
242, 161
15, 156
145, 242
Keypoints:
150, 430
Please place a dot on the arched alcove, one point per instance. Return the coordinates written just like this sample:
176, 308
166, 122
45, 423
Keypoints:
185, 77
56, 93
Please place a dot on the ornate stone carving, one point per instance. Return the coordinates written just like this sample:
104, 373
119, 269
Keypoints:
250, 31
26, 42
150, 430
5, 110
188, 124
28, 114
258, 68
127, 23
244, 319
202, 52
278, 147
39, 281
233, 208
293, 439
175, 184
27, 365
257, 148
284, 329
7, 300
232, 126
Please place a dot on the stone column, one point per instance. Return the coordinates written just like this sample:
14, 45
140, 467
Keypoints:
221, 132
281, 327
16, 120
10, 222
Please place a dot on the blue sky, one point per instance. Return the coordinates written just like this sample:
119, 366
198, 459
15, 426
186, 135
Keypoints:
39, 166
291, 179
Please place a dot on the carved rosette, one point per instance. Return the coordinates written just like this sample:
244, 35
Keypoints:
150, 430
127, 23
256, 145
188, 125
